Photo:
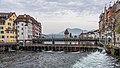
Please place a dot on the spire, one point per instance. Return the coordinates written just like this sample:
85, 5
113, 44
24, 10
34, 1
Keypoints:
66, 32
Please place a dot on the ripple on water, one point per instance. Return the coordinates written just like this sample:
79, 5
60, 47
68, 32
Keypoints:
55, 60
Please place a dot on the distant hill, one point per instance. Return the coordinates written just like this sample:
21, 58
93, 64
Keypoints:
74, 31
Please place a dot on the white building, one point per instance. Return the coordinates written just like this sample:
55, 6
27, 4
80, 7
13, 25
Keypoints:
24, 27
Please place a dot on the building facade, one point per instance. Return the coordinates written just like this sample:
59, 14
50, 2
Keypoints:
7, 31
36, 28
23, 26
109, 24
27, 27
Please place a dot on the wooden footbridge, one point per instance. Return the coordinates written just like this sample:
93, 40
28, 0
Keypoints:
38, 44
53, 40
63, 39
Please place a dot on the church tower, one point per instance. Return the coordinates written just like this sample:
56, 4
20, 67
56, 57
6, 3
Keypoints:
66, 34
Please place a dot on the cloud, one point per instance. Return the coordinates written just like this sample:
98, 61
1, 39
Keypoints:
62, 12
53, 6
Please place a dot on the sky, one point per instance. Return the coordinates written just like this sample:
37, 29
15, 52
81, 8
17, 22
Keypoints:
57, 15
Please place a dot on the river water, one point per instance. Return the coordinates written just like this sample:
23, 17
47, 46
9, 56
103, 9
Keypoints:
49, 59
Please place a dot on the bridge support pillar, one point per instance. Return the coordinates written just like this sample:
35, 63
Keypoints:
53, 42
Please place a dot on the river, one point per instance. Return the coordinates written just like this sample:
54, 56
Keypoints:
49, 59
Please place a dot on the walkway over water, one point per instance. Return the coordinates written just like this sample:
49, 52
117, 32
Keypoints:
64, 39
38, 44
63, 45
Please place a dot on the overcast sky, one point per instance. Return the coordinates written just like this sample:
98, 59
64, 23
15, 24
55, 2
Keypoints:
57, 15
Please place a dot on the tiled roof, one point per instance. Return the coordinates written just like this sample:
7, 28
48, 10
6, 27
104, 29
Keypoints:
26, 18
7, 15
23, 18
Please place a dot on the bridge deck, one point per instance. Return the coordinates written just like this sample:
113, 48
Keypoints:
62, 45
60, 39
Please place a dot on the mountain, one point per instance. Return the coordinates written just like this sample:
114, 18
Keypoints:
74, 31
55, 36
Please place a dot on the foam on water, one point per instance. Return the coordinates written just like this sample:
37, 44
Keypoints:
76, 52
95, 60
53, 51
47, 51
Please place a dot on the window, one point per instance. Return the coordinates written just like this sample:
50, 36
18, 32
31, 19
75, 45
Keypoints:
7, 36
22, 28
18, 26
7, 31
29, 36
11, 32
3, 37
22, 24
13, 24
11, 36
9, 27
22, 33
1, 27
117, 38
10, 19
9, 24
2, 32
2, 22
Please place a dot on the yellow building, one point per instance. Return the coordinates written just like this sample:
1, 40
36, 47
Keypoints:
7, 31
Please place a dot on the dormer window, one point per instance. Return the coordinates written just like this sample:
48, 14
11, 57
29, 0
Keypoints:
24, 15
10, 19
